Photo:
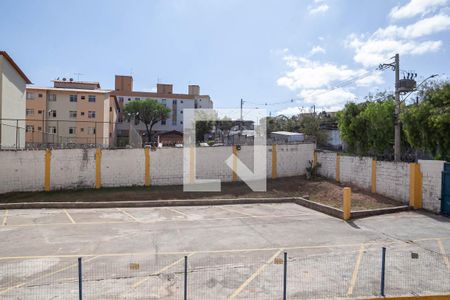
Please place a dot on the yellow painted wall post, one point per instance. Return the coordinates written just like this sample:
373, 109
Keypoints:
374, 176
338, 167
234, 176
48, 159
147, 166
415, 186
98, 167
347, 205
274, 161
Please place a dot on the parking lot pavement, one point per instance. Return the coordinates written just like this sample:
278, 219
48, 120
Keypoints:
234, 252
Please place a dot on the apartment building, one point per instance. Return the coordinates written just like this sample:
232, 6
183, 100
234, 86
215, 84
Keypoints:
70, 112
164, 94
12, 103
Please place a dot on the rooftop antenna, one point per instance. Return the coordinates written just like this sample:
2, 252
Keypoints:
78, 75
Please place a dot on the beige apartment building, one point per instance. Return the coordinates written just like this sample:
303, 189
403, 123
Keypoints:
12, 103
70, 113
164, 94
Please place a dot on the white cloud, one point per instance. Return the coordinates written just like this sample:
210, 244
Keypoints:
317, 49
307, 74
371, 80
289, 111
414, 8
318, 9
421, 28
385, 42
327, 98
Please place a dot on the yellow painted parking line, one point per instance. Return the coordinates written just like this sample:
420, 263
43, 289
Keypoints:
45, 276
160, 271
355, 271
442, 250
128, 214
5, 218
237, 211
69, 216
177, 211
254, 275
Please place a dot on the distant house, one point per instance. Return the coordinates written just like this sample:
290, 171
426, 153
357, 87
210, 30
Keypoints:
170, 138
12, 103
287, 137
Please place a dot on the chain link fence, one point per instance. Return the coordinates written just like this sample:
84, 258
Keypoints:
265, 274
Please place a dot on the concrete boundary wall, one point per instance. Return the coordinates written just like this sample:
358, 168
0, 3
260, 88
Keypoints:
90, 168
396, 180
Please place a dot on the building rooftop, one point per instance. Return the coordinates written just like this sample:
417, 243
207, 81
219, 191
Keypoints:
15, 66
87, 91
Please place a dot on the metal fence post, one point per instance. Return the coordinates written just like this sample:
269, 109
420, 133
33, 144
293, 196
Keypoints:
285, 277
185, 277
383, 268
80, 279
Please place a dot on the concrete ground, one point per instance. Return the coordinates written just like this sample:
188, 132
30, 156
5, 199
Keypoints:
234, 252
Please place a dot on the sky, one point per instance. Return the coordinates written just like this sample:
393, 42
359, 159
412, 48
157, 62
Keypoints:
285, 56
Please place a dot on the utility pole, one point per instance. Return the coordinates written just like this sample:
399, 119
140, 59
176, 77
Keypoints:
397, 150
241, 120
395, 66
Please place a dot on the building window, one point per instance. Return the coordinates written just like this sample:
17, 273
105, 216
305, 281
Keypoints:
91, 130
181, 122
82, 129
181, 111
40, 112
110, 108
174, 102
72, 114
82, 113
91, 114
72, 130
39, 128
52, 129
121, 99
73, 98
163, 101
181, 101
91, 98
137, 98
29, 111
83, 97
40, 95
52, 113
30, 128
163, 122
30, 96
52, 97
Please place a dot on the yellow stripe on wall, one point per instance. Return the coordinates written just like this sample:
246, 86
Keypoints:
48, 158
147, 166
234, 177
98, 166
415, 186
274, 161
374, 176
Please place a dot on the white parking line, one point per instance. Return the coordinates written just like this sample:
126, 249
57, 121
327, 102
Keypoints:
128, 214
442, 250
177, 211
69, 216
355, 271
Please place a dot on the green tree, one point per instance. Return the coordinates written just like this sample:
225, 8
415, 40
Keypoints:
353, 127
310, 125
427, 124
147, 111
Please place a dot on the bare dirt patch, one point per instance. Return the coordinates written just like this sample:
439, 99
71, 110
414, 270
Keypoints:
318, 190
